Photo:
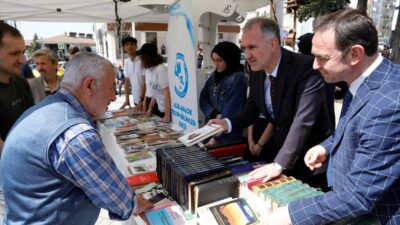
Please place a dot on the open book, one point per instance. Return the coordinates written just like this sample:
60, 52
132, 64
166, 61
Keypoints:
200, 134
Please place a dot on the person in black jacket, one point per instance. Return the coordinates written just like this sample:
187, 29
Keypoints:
289, 93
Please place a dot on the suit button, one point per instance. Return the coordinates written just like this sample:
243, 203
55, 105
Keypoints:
278, 128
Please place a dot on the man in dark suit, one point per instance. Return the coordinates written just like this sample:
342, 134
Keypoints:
289, 93
364, 153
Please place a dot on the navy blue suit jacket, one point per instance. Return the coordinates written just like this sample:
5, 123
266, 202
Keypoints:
365, 157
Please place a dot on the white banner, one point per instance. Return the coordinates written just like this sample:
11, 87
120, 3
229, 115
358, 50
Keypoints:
182, 66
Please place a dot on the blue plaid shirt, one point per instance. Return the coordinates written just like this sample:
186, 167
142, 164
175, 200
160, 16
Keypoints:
78, 155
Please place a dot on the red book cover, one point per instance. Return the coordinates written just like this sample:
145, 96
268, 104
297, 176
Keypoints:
234, 150
141, 179
250, 183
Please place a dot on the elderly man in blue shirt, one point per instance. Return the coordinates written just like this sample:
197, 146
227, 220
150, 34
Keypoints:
54, 167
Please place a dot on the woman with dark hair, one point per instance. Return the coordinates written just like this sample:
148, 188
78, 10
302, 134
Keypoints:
156, 74
224, 93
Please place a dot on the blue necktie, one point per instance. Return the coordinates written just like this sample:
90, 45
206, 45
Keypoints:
346, 103
345, 107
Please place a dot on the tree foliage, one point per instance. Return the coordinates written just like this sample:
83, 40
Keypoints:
314, 8
395, 42
35, 45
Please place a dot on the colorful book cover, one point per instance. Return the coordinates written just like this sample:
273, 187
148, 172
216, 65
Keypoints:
171, 215
235, 212
143, 178
236, 150
142, 168
136, 156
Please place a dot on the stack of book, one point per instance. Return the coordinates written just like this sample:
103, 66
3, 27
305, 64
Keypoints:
283, 190
177, 167
139, 136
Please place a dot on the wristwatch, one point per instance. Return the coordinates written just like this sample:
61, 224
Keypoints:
140, 99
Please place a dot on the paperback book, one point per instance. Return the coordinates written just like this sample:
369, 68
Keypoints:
200, 134
136, 156
235, 212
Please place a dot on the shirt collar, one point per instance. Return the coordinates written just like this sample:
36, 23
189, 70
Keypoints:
46, 85
357, 82
75, 104
134, 60
275, 70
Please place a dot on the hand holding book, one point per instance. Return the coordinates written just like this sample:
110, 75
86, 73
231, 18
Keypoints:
200, 134
221, 122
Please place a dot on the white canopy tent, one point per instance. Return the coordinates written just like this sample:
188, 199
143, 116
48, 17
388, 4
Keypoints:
206, 15
99, 10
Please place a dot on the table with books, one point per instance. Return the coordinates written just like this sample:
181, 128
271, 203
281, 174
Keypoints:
131, 140
193, 185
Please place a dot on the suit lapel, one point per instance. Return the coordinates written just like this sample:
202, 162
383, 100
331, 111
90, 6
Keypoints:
362, 97
283, 71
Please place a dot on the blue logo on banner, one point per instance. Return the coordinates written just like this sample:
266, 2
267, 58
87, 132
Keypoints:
181, 72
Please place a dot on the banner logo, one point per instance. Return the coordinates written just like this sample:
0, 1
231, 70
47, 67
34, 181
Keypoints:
182, 74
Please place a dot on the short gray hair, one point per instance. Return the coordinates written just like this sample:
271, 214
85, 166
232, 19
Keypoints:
46, 52
269, 27
84, 64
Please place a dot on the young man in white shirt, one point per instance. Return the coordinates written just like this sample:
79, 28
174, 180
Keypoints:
135, 75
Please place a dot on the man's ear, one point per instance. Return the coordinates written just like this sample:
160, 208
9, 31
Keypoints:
356, 54
275, 43
88, 85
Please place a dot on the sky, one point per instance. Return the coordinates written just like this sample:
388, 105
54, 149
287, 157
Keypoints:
50, 29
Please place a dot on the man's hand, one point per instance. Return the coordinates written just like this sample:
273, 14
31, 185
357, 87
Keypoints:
315, 156
166, 118
139, 107
280, 216
268, 171
143, 204
126, 103
255, 149
148, 113
220, 122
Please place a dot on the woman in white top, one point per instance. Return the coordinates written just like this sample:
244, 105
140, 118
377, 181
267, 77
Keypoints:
157, 81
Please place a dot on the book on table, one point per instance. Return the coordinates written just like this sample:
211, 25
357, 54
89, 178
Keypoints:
142, 178
170, 215
231, 212
200, 134
213, 191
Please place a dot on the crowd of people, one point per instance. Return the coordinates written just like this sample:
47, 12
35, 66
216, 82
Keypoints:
54, 168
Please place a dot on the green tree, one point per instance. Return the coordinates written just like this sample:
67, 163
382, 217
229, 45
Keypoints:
35, 45
315, 8
395, 43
